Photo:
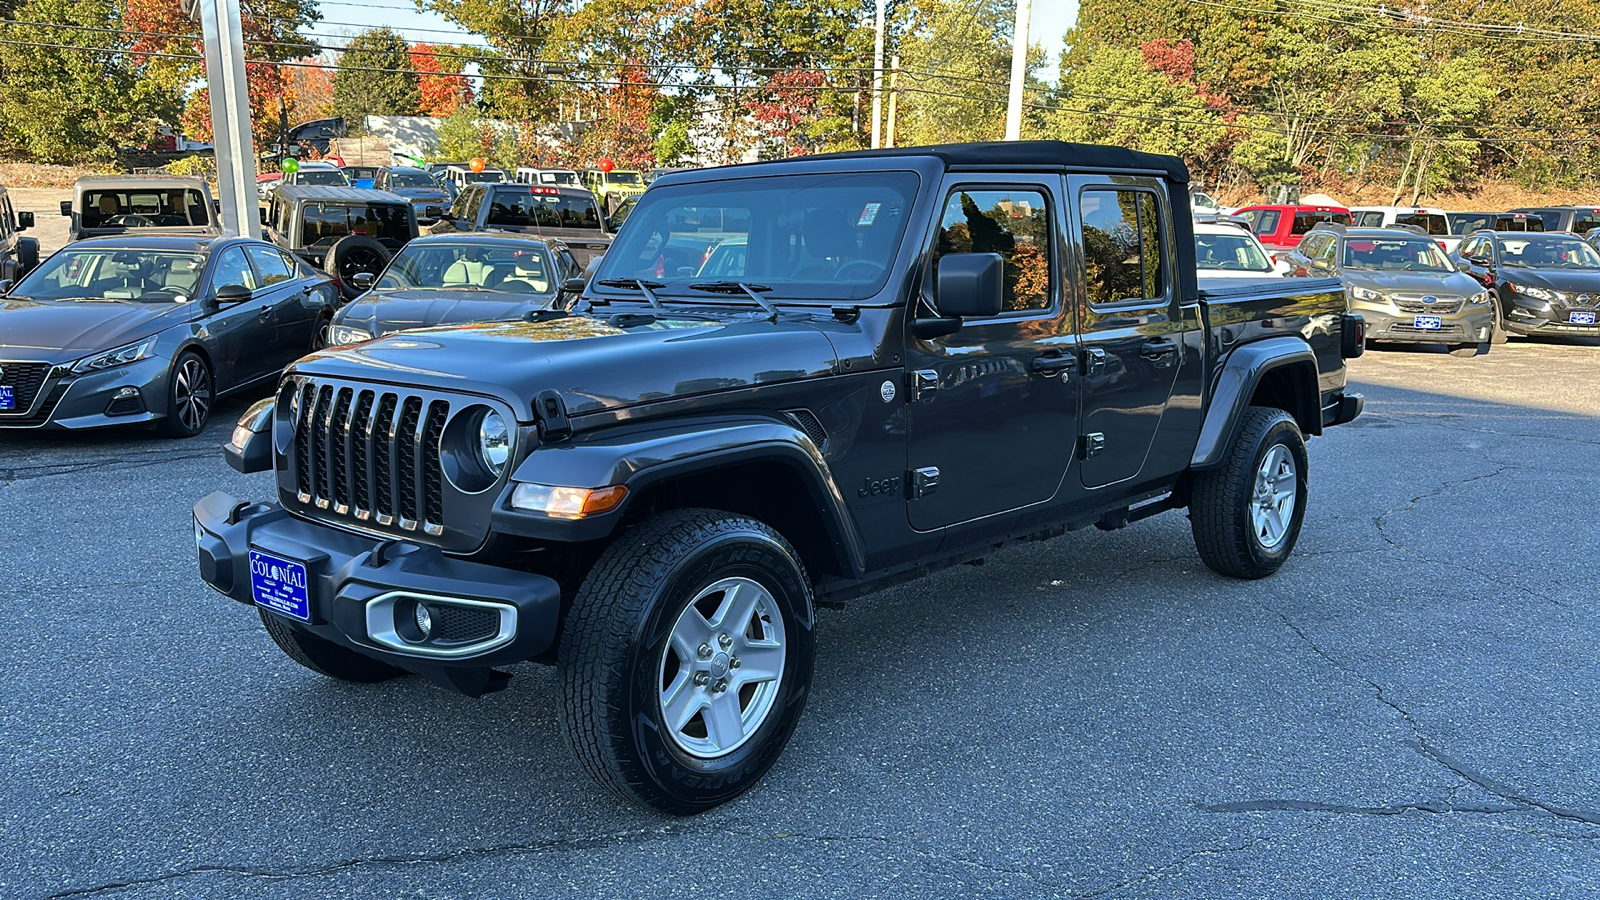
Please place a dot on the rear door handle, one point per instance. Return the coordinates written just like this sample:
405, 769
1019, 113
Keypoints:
1158, 348
1052, 363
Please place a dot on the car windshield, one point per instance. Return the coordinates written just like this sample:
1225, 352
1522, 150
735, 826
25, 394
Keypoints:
1466, 223
822, 238
324, 177
470, 267
140, 276
1231, 252
528, 208
1519, 223
1553, 252
1430, 223
1395, 255
623, 178
399, 179
144, 208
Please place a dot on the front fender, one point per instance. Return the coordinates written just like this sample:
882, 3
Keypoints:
1242, 372
639, 455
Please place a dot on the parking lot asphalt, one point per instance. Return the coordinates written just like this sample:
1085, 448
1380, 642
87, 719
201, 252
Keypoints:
1408, 709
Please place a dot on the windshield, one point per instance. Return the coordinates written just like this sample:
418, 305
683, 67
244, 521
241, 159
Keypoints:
410, 180
1430, 223
526, 209
623, 178
1519, 223
1398, 255
1232, 252
807, 237
470, 267
1305, 221
145, 208
1467, 223
1200, 198
324, 177
362, 172
142, 276
1552, 252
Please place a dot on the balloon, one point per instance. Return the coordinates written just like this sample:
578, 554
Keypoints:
477, 164
291, 166
606, 165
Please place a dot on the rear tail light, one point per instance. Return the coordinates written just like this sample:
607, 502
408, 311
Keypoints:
1353, 337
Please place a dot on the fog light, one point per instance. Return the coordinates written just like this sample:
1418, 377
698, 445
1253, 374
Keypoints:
127, 393
424, 621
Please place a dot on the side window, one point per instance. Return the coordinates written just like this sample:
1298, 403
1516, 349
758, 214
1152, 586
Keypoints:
1267, 222
1014, 224
475, 198
1122, 245
270, 264
232, 268
1369, 220
1327, 250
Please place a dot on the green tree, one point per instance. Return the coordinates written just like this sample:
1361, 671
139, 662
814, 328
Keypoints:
1118, 99
375, 78
467, 134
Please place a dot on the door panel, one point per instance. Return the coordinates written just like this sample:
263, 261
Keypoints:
243, 332
1131, 321
293, 318
994, 406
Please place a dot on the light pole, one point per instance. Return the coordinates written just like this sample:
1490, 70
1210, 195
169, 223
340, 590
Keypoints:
877, 81
223, 31
1019, 71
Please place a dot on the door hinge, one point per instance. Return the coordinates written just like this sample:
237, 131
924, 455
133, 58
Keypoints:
924, 384
1091, 444
924, 481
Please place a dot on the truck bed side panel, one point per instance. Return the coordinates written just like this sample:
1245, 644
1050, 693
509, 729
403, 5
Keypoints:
1245, 311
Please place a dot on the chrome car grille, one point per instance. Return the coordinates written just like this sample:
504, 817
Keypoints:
1439, 306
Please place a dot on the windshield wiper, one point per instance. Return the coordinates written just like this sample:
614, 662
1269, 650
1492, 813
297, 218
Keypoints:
734, 287
638, 284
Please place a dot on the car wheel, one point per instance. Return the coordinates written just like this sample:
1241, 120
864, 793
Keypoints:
352, 254
324, 657
1497, 331
1468, 350
322, 335
190, 392
1245, 514
685, 661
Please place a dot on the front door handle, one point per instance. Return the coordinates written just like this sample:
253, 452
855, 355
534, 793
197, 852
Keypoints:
264, 313
1155, 349
1052, 363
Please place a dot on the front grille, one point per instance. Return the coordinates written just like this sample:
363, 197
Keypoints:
25, 379
40, 415
1444, 306
462, 624
1448, 331
369, 454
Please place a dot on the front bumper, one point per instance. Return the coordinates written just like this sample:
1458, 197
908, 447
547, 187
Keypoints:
361, 592
1473, 325
1524, 320
126, 395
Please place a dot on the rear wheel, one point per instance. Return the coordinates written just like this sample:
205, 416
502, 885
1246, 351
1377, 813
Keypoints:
1245, 514
686, 659
325, 657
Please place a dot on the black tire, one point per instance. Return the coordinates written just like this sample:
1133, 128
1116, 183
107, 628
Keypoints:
351, 254
1221, 500
325, 657
1497, 331
1468, 350
322, 335
191, 394
614, 645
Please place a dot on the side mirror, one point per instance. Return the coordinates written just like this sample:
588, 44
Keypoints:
363, 281
968, 286
574, 285
66, 207
24, 221
232, 293
5, 286
1478, 260
1321, 265
262, 213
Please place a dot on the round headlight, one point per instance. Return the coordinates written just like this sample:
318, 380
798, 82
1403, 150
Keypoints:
494, 442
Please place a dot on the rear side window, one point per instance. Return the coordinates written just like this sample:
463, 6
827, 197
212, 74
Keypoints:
1266, 221
1585, 222
1305, 221
1369, 219
1014, 224
1122, 245
270, 264
1431, 224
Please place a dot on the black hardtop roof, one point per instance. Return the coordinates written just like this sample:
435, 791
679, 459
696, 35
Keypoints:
1032, 154
335, 194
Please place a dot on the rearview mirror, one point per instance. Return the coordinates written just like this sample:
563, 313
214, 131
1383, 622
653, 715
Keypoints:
363, 281
233, 293
24, 221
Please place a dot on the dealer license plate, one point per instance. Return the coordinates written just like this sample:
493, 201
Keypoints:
8, 397
1577, 318
1429, 323
280, 585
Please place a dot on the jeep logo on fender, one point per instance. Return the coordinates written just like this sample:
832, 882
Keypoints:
877, 487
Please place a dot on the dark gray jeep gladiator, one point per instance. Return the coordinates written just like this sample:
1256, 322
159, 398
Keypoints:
914, 358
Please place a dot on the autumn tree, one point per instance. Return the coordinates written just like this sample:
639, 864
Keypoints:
442, 88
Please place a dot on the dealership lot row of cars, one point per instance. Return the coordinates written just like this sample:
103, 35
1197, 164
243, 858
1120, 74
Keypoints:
150, 315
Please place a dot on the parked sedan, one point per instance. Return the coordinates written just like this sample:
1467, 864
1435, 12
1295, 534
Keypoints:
1225, 252
153, 329
450, 279
1541, 283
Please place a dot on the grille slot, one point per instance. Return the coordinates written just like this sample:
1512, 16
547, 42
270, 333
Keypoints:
461, 624
1444, 306
371, 455
25, 379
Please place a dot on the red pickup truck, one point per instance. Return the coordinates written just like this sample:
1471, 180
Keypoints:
1280, 227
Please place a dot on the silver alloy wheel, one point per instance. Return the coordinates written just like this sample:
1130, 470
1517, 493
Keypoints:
1277, 490
722, 667
192, 393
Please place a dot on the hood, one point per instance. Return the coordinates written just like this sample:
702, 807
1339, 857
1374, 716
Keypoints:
596, 363
400, 310
412, 193
1571, 281
70, 329
1453, 284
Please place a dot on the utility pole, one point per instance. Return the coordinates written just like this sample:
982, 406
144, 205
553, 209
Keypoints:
1019, 71
894, 95
223, 30
877, 80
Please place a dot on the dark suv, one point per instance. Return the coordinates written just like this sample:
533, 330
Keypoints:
1542, 284
571, 214
341, 230
1579, 220
18, 255
926, 354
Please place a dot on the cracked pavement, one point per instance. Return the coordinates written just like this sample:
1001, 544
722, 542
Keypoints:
1408, 709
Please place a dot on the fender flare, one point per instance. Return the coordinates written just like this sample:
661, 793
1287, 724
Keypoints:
639, 456
1236, 383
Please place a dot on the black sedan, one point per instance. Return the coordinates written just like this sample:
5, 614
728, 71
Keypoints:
153, 329
1541, 283
450, 279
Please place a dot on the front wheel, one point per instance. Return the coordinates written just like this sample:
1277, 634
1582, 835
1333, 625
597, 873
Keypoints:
686, 659
1245, 514
1468, 350
190, 392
